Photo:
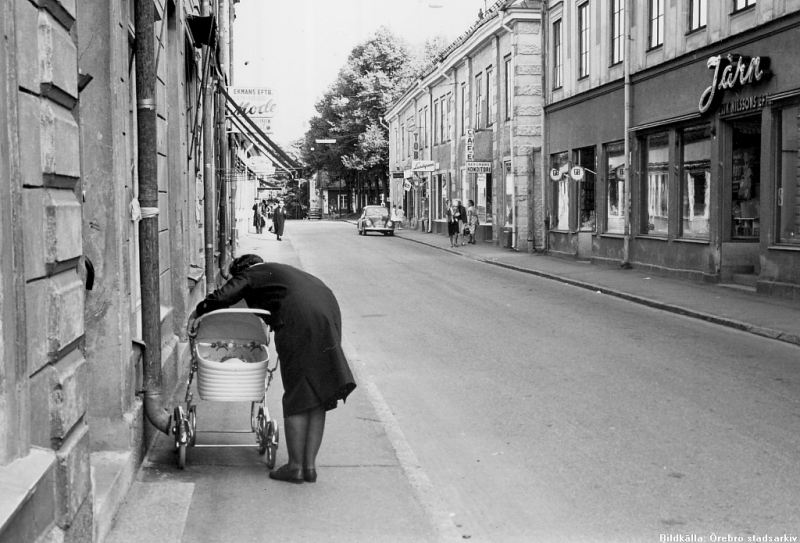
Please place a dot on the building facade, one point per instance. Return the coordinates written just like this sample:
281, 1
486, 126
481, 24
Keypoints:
72, 424
712, 128
471, 129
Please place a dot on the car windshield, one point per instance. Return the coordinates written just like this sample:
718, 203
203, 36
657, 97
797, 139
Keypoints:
376, 212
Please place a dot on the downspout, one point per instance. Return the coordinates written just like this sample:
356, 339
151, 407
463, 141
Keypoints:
511, 126
208, 163
626, 247
147, 163
545, 93
227, 242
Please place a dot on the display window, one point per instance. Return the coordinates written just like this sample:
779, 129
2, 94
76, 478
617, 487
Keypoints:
788, 200
585, 157
656, 188
615, 188
559, 217
746, 179
696, 182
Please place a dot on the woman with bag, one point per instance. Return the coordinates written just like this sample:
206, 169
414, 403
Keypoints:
452, 223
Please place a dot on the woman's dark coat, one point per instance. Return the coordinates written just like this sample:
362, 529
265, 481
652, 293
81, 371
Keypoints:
278, 218
308, 331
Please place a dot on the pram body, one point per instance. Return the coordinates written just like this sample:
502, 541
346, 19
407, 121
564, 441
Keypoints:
230, 355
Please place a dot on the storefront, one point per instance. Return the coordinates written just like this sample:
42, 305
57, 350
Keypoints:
715, 190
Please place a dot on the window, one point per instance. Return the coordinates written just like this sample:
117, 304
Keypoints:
450, 105
656, 23
695, 182
788, 200
424, 131
410, 134
615, 188
583, 40
491, 83
509, 88
436, 122
560, 214
442, 120
585, 157
558, 60
617, 31
656, 191
697, 14
464, 113
478, 101
739, 5
396, 146
403, 140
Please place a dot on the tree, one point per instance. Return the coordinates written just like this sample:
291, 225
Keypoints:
376, 73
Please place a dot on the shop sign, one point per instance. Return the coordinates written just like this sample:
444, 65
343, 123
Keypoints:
423, 166
731, 72
407, 185
743, 104
257, 103
479, 167
397, 175
577, 173
470, 145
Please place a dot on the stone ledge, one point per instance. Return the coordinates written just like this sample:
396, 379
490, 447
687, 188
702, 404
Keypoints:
112, 475
26, 503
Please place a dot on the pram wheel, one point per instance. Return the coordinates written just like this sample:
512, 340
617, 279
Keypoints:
273, 436
261, 431
182, 456
192, 425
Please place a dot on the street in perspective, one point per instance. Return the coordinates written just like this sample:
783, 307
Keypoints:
400, 271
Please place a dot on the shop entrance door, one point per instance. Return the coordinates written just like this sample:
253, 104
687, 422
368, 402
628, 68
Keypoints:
743, 191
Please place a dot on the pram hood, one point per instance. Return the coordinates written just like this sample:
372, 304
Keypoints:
237, 325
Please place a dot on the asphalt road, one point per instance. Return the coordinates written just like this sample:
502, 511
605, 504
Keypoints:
542, 412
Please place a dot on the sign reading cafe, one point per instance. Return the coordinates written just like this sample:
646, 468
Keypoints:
731, 72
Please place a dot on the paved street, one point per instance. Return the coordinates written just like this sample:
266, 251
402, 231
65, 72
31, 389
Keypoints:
500, 406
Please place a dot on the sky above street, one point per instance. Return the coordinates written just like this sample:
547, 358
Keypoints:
296, 48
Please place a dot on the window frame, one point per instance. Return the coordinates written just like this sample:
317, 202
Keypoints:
742, 5
508, 87
645, 197
435, 123
683, 170
464, 103
656, 21
698, 8
442, 120
583, 40
450, 109
617, 31
558, 54
478, 101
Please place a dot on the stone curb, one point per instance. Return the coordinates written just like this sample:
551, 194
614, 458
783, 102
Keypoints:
714, 319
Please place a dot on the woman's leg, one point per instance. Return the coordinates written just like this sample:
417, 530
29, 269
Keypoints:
314, 433
296, 427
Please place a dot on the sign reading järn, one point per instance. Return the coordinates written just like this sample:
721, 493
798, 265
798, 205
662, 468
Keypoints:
257, 103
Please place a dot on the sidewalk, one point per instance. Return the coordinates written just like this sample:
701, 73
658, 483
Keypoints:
734, 308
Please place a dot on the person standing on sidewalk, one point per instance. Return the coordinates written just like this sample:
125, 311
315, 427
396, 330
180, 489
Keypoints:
452, 222
278, 219
400, 216
258, 218
308, 339
462, 222
472, 222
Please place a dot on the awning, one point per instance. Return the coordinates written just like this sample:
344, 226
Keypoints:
248, 127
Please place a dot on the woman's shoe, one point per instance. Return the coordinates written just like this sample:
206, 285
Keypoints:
310, 475
287, 474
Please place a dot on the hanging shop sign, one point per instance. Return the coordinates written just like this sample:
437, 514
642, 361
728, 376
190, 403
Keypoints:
479, 167
470, 147
257, 103
732, 72
408, 174
407, 185
397, 175
423, 166
577, 173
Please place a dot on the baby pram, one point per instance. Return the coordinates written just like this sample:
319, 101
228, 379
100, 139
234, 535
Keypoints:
229, 350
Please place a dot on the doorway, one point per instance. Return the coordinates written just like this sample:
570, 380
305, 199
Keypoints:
745, 179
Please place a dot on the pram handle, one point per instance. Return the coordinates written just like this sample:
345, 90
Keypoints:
263, 313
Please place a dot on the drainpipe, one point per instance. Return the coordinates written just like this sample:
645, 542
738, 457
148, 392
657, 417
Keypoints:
226, 240
208, 163
511, 126
626, 248
148, 225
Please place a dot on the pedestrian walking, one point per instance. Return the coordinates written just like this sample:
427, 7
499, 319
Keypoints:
400, 216
472, 222
278, 219
462, 221
452, 222
308, 336
258, 217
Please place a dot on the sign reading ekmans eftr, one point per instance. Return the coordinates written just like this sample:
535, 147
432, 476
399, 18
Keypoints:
255, 102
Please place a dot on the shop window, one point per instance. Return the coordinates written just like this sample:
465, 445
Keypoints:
585, 158
789, 183
615, 188
745, 179
559, 218
656, 190
511, 204
465, 182
483, 193
696, 182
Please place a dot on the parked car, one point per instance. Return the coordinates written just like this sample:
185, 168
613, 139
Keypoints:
375, 219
